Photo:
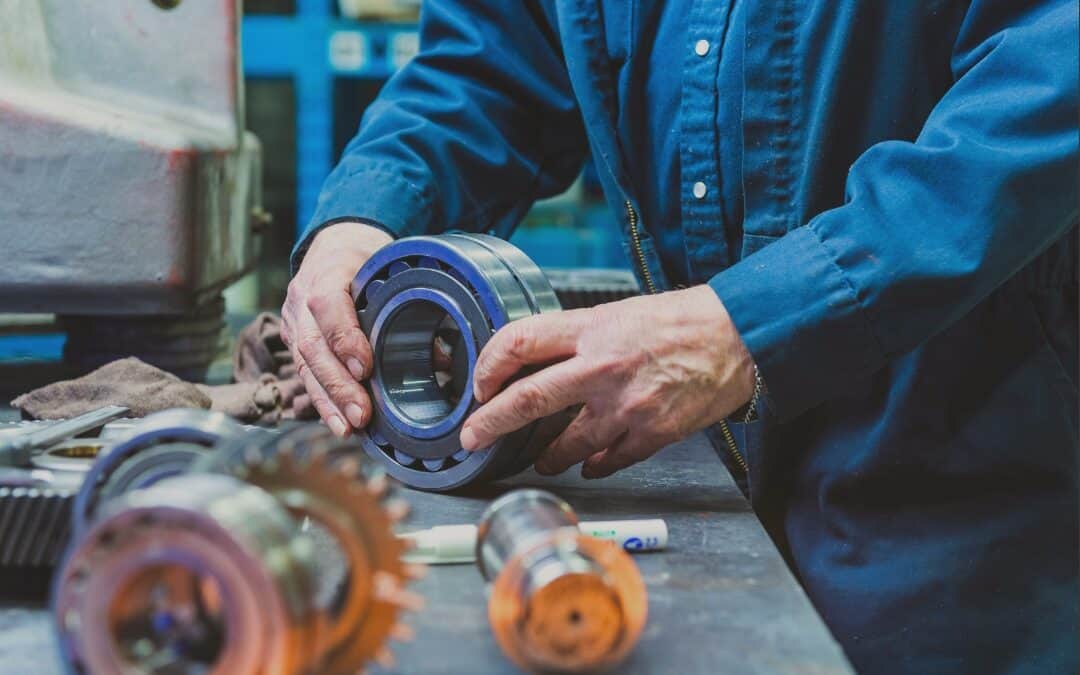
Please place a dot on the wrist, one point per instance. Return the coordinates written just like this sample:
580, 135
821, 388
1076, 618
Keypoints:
730, 356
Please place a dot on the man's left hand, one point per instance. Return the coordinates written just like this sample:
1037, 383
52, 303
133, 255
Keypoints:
647, 371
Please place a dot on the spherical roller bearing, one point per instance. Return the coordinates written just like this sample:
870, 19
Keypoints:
459, 288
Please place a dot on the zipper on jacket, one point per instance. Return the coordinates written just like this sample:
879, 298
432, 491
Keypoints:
650, 288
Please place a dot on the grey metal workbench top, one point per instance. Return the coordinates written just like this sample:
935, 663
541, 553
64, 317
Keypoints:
721, 599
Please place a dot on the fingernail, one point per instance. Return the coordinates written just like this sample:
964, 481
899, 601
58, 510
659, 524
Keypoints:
337, 425
355, 414
356, 368
469, 439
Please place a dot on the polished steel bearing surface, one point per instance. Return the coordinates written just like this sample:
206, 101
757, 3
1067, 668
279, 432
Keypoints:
159, 446
453, 290
197, 574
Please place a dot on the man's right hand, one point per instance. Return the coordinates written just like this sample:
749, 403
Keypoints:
320, 328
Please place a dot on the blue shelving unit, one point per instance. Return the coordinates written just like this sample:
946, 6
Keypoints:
314, 46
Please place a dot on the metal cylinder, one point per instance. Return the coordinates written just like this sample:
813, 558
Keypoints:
159, 446
199, 574
428, 305
560, 601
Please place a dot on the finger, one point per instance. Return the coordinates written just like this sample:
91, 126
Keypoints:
587, 434
541, 338
335, 315
629, 450
543, 393
347, 395
319, 399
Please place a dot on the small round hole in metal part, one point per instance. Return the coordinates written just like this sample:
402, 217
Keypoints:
166, 4
423, 363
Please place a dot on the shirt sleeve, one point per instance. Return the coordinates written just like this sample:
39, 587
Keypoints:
928, 228
481, 123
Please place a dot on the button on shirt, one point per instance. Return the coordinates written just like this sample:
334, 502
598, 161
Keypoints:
683, 132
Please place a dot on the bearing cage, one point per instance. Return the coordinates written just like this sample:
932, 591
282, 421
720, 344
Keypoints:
482, 283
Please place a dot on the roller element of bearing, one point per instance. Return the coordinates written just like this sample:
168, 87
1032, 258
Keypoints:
404, 296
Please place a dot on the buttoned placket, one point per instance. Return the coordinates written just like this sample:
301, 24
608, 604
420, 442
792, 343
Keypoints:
700, 198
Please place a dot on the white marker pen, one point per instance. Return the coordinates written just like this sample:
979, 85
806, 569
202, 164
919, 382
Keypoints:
448, 544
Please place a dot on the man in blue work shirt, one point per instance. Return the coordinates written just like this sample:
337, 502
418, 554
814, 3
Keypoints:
870, 208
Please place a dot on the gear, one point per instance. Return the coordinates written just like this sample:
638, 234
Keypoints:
320, 479
195, 574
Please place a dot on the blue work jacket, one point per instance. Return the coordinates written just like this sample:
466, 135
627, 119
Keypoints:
904, 272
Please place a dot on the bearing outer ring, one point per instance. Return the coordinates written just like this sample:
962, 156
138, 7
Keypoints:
482, 283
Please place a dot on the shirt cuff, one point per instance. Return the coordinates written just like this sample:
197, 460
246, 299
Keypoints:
374, 196
800, 318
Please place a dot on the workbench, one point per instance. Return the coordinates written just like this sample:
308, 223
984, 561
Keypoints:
721, 599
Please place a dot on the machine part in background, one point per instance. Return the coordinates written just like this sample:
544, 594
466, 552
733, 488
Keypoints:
36, 502
424, 297
74, 457
129, 182
184, 345
350, 514
199, 574
586, 287
560, 601
159, 446
17, 449
34, 523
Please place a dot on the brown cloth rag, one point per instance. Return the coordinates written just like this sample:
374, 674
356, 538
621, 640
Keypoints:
145, 389
127, 382
266, 388
259, 352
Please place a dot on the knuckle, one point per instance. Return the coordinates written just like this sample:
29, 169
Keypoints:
309, 345
342, 341
519, 341
529, 401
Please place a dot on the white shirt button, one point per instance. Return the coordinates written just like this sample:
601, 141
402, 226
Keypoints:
701, 47
699, 190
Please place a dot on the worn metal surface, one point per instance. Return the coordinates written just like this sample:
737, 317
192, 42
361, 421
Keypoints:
721, 599
128, 182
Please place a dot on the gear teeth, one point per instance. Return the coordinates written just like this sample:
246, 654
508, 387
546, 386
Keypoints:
385, 658
397, 510
414, 571
379, 485
349, 467
402, 632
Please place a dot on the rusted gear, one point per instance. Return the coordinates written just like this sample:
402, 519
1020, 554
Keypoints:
320, 479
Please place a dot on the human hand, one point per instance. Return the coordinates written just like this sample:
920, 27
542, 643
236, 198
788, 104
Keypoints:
320, 327
648, 370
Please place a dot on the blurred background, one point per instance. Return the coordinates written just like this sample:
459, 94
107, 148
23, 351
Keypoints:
310, 68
